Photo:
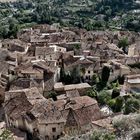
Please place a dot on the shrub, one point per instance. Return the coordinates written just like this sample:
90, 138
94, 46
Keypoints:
75, 75
115, 93
92, 93
116, 104
119, 104
122, 126
132, 105
123, 43
112, 104
104, 97
6, 135
95, 79
52, 95
99, 135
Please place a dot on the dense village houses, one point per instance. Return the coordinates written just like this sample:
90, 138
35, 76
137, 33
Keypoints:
38, 90
28, 110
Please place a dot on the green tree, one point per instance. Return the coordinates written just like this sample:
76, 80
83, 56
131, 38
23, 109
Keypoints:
62, 74
115, 93
68, 79
77, 46
116, 104
112, 104
13, 28
43, 14
75, 74
123, 43
52, 95
119, 104
121, 79
104, 97
92, 93
105, 75
94, 79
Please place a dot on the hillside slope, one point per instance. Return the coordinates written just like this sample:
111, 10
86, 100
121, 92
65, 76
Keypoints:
89, 14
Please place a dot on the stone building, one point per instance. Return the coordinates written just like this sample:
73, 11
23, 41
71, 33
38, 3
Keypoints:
29, 111
79, 112
132, 84
45, 119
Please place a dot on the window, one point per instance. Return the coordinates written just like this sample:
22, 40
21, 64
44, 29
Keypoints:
47, 137
89, 71
53, 129
61, 133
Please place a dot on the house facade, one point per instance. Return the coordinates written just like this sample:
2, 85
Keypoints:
132, 84
28, 110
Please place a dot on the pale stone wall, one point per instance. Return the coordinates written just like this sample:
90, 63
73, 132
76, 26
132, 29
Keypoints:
124, 71
47, 130
72, 131
37, 76
75, 130
131, 51
129, 86
46, 57
113, 76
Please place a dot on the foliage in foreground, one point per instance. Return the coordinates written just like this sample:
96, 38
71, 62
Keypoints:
6, 135
126, 125
99, 135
